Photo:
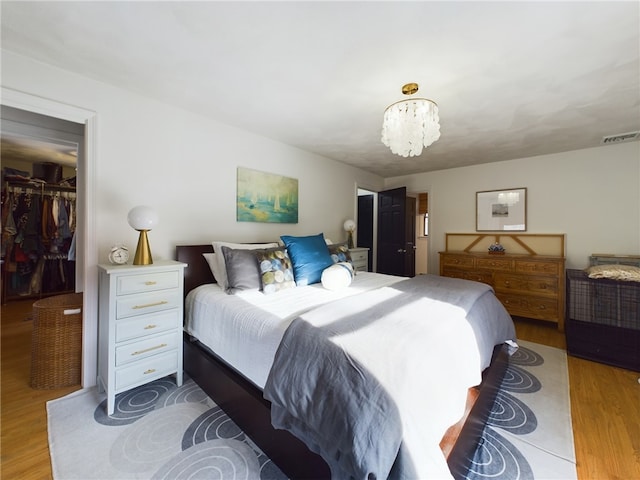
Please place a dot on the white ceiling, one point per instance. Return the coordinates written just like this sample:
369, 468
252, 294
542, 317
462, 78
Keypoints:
512, 79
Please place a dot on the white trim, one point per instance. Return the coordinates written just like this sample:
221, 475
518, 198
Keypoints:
86, 186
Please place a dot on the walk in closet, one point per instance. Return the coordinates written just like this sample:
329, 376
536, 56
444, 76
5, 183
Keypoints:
39, 204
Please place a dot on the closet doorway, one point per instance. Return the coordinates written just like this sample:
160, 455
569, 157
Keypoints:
40, 156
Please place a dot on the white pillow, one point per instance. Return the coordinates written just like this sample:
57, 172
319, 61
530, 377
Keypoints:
221, 270
212, 260
339, 275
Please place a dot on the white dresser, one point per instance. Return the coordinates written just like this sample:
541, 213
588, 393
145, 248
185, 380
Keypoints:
360, 258
140, 325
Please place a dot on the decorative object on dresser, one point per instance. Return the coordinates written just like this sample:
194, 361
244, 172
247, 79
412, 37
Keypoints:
500, 210
142, 219
529, 280
360, 259
603, 311
139, 325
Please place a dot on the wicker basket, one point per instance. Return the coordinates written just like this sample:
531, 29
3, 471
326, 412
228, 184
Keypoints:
56, 342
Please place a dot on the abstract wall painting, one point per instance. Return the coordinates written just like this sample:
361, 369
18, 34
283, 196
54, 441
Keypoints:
266, 197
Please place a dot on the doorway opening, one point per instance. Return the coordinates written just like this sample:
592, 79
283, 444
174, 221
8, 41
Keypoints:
40, 201
394, 224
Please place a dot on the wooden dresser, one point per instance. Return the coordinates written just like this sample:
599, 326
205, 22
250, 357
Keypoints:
529, 286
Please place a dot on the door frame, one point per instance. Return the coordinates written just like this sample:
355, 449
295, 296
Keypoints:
86, 274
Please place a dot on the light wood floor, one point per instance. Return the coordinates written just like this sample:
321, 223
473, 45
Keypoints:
605, 407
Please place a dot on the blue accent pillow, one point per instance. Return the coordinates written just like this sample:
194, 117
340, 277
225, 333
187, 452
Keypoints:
309, 255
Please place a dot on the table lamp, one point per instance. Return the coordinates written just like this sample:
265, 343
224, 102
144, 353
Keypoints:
143, 219
349, 227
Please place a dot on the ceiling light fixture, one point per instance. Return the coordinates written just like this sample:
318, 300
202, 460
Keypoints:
409, 125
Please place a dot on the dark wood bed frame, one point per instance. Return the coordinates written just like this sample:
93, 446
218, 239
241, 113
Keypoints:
243, 401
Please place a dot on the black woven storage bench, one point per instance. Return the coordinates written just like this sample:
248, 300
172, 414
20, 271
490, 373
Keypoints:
603, 320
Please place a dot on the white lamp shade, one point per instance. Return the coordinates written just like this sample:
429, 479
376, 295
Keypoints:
142, 218
349, 225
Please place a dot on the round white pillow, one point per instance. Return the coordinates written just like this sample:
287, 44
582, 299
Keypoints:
338, 275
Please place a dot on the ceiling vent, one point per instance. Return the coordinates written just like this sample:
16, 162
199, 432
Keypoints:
620, 137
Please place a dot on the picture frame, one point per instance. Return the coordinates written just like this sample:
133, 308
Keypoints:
266, 197
501, 210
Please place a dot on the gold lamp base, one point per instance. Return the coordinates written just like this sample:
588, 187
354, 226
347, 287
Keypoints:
143, 251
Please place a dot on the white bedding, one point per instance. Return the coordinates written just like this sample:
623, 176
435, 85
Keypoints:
245, 329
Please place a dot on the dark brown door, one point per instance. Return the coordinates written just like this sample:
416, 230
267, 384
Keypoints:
392, 233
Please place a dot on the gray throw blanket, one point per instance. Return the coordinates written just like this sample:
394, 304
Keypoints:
372, 382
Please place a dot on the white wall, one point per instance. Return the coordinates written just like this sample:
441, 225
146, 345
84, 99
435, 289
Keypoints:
591, 195
184, 165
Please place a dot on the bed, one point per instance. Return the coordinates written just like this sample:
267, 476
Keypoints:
240, 389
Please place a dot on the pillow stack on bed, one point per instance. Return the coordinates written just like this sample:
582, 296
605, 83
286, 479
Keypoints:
270, 267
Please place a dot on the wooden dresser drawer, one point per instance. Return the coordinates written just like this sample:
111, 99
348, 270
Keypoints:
460, 261
538, 267
504, 282
529, 306
497, 264
147, 282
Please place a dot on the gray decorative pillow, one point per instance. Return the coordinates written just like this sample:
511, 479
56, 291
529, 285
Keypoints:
276, 269
242, 270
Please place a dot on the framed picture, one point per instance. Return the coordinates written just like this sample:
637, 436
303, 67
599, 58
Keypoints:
266, 197
501, 210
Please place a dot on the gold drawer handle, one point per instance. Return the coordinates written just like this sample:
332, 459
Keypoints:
149, 327
163, 302
150, 282
140, 352
151, 370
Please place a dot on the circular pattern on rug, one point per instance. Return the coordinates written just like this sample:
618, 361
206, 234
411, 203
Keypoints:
188, 392
134, 404
213, 424
212, 460
498, 459
512, 414
526, 357
146, 444
519, 380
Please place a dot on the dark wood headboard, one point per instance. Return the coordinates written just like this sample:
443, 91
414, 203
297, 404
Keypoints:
197, 271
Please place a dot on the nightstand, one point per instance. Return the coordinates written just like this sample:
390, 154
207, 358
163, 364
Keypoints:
360, 258
139, 325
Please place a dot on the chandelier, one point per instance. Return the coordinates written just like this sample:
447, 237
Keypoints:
409, 125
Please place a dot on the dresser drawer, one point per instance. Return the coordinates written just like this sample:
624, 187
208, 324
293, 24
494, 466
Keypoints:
495, 264
147, 282
504, 282
533, 267
130, 305
529, 306
464, 261
145, 348
147, 325
359, 256
147, 370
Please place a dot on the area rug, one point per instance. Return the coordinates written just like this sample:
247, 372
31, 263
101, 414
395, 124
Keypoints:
160, 431
529, 434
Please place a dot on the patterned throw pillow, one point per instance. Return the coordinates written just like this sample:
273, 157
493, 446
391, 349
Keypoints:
276, 269
340, 253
